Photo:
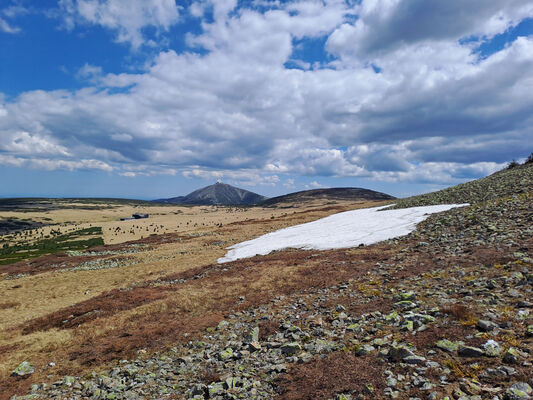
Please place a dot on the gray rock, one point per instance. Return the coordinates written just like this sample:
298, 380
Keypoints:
291, 349
24, 369
486, 326
468, 351
511, 356
518, 391
415, 360
448, 345
529, 331
492, 348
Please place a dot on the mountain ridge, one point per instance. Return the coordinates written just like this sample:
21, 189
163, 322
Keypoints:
343, 193
216, 194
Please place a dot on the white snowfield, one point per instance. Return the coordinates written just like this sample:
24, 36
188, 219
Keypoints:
346, 229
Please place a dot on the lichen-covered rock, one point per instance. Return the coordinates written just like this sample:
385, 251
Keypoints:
492, 348
225, 354
519, 391
448, 345
290, 349
24, 369
529, 331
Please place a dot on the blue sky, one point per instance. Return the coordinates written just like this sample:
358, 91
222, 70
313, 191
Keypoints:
155, 98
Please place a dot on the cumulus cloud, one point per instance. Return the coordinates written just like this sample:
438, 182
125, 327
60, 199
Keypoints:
91, 73
54, 164
395, 104
125, 17
385, 25
25, 143
315, 185
242, 177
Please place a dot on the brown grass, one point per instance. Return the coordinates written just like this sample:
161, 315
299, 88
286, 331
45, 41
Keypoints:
268, 328
104, 305
321, 379
209, 375
10, 304
459, 311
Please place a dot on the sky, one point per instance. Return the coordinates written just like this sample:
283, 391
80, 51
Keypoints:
155, 98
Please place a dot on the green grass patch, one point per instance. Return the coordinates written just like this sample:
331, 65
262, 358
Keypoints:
77, 240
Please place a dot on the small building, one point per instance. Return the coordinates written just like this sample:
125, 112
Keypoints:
140, 216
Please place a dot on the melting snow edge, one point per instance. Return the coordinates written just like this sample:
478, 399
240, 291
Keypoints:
347, 229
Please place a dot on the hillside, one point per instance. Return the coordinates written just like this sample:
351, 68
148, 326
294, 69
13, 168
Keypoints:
217, 194
443, 312
506, 182
332, 194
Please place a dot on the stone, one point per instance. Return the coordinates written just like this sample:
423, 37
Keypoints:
290, 349
352, 327
414, 360
343, 397
486, 326
254, 346
222, 324
225, 354
408, 326
364, 350
469, 351
368, 389
529, 331
518, 391
448, 345
253, 335
391, 382
492, 348
511, 356
24, 369
469, 387
230, 382
398, 353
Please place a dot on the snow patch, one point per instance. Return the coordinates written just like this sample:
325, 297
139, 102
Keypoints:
347, 229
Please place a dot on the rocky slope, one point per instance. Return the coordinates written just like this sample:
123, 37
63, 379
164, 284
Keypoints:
333, 194
217, 194
443, 313
503, 183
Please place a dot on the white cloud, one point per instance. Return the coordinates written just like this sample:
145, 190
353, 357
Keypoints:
53, 164
241, 177
315, 185
386, 25
24, 143
434, 113
289, 183
121, 137
7, 28
8, 13
91, 73
126, 17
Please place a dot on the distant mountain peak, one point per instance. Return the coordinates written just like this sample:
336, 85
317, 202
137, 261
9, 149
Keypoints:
218, 194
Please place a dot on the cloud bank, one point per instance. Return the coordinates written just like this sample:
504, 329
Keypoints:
399, 92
